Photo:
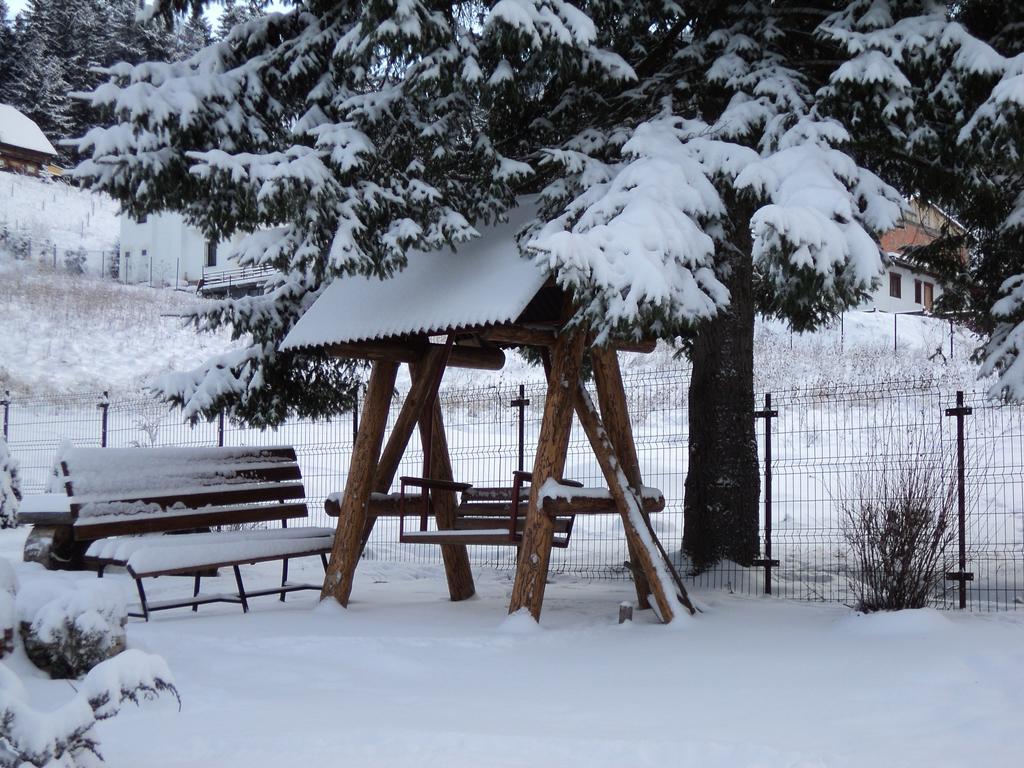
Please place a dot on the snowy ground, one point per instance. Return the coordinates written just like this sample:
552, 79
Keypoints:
405, 677
63, 333
55, 211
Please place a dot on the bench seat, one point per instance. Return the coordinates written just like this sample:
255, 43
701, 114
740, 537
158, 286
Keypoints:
119, 549
217, 553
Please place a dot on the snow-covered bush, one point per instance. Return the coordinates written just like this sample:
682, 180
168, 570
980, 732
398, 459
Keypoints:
8, 615
10, 487
64, 738
897, 522
67, 632
15, 243
74, 261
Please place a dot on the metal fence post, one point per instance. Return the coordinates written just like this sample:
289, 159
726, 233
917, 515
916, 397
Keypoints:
220, 430
104, 406
767, 562
355, 417
963, 575
6, 403
521, 402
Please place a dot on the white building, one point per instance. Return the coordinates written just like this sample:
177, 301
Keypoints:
906, 287
163, 251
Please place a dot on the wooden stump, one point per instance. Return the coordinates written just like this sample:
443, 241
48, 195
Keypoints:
352, 518
556, 425
54, 547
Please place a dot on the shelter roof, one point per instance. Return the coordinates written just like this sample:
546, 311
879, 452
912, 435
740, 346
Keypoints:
17, 130
485, 281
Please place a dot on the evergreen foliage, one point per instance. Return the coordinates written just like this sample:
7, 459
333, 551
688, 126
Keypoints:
10, 487
696, 163
51, 49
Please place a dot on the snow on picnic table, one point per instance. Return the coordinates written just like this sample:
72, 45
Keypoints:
405, 677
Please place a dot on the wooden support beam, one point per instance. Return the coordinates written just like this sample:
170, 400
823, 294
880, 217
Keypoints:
455, 557
668, 594
553, 443
424, 378
611, 396
365, 454
483, 358
539, 337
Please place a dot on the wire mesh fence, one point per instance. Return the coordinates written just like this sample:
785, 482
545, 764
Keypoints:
824, 441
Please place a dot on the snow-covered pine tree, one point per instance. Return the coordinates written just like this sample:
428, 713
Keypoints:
950, 86
237, 12
340, 135
10, 487
697, 163
38, 85
6, 50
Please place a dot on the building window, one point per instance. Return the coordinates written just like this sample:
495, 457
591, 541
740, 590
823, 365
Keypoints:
917, 291
895, 285
211, 253
928, 295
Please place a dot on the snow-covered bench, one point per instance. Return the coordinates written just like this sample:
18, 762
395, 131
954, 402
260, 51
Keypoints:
122, 500
153, 555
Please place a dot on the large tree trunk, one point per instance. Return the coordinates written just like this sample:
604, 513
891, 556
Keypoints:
723, 480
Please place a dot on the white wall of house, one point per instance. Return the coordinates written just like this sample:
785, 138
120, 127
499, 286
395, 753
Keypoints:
909, 300
164, 250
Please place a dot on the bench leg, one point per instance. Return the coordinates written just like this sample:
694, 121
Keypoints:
323, 559
195, 593
241, 590
284, 576
142, 599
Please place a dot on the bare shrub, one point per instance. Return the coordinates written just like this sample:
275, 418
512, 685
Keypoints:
898, 523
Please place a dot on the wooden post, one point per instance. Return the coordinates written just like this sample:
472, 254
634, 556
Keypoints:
615, 413
553, 443
651, 556
365, 454
456, 558
424, 377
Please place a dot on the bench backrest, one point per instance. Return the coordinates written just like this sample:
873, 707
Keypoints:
114, 491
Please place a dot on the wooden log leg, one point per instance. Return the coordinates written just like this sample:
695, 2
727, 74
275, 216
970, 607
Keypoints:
424, 377
456, 559
668, 594
365, 454
556, 425
615, 413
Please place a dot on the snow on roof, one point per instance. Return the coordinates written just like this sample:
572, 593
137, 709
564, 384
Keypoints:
20, 131
484, 281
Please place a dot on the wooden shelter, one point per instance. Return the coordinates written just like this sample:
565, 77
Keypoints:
464, 309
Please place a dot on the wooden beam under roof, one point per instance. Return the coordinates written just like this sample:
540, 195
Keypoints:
412, 351
519, 335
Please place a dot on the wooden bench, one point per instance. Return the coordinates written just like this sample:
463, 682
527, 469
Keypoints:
491, 515
120, 502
